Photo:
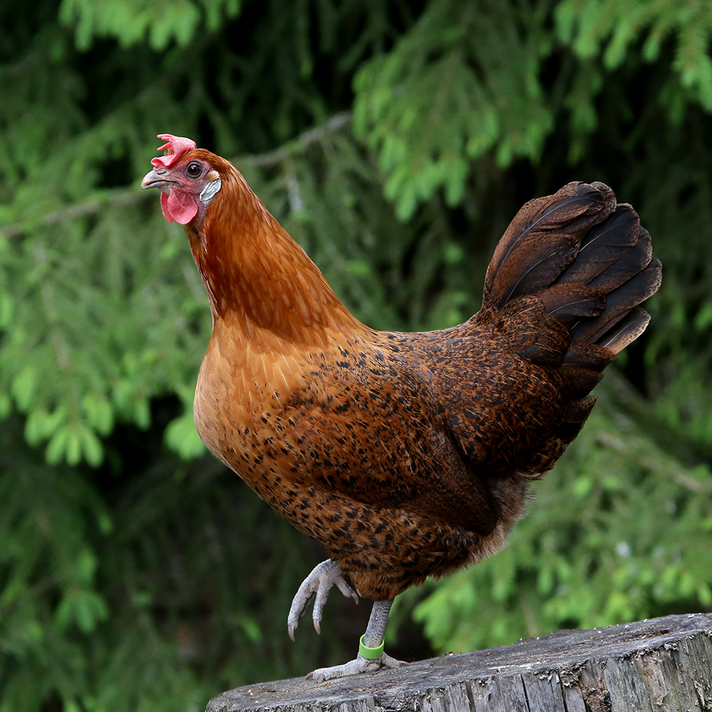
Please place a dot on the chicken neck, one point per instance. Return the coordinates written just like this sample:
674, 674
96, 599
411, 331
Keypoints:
257, 276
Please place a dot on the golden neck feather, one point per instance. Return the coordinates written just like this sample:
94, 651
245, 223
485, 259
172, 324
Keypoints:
256, 275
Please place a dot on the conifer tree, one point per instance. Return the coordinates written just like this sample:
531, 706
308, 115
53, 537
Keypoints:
395, 141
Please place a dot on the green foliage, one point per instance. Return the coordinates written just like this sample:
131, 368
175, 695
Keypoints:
467, 80
446, 94
614, 29
123, 600
135, 573
134, 21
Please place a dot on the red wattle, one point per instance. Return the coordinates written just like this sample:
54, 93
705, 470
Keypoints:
179, 206
164, 208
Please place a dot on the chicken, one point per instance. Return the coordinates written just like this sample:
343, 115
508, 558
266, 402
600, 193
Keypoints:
406, 455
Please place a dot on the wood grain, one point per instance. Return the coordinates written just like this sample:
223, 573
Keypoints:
656, 665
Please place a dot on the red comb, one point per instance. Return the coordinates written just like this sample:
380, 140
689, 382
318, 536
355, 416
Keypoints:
176, 147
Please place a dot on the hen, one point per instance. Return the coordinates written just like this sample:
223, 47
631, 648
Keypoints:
406, 455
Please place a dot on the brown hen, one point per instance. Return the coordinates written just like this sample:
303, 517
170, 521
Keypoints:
406, 455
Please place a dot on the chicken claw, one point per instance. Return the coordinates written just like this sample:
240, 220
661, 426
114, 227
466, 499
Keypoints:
317, 585
355, 667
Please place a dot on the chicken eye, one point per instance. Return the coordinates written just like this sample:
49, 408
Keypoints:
194, 169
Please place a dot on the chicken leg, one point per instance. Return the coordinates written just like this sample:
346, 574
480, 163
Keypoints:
317, 585
370, 656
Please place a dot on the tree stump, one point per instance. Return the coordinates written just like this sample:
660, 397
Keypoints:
647, 666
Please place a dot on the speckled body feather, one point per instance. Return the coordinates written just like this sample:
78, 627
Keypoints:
410, 454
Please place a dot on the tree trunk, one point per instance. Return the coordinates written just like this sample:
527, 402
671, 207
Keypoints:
648, 666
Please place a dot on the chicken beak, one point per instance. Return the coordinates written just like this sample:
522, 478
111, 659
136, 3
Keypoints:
156, 179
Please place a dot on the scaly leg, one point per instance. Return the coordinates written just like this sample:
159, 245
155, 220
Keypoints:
317, 585
370, 656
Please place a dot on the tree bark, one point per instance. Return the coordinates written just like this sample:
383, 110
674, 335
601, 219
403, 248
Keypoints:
648, 666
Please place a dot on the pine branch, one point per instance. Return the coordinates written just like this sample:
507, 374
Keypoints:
115, 198
123, 197
305, 140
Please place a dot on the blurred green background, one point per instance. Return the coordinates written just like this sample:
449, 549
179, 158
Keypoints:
395, 140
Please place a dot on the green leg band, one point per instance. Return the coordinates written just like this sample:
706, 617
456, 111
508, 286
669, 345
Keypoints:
369, 653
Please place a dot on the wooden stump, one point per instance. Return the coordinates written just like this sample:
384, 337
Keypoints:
648, 666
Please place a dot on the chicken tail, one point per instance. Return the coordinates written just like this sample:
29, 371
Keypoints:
587, 259
589, 262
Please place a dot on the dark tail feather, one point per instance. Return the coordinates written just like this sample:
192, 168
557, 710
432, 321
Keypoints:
572, 302
630, 263
587, 260
619, 304
543, 240
626, 331
604, 246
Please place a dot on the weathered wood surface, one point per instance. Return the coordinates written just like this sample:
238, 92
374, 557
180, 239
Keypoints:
649, 666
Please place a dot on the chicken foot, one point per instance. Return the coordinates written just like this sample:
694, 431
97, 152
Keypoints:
371, 643
317, 585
